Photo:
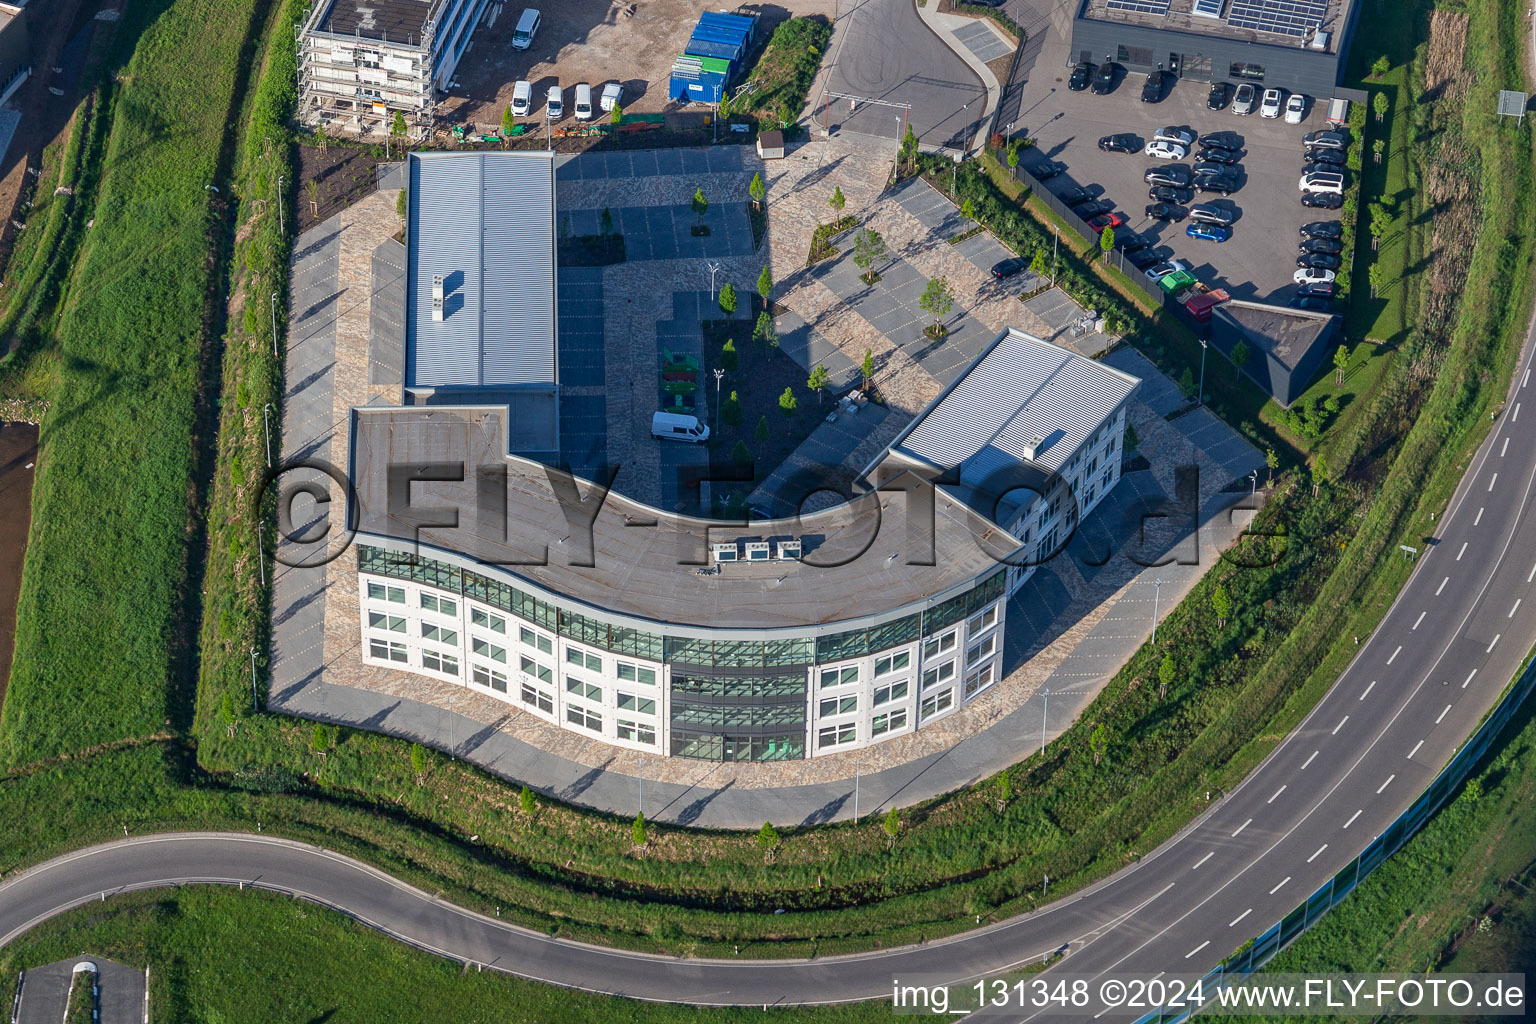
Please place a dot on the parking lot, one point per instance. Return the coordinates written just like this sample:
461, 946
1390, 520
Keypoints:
1258, 261
594, 41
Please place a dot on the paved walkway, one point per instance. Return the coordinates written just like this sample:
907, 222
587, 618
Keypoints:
45, 992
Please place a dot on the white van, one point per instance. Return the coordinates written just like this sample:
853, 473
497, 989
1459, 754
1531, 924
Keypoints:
676, 426
527, 25
554, 103
583, 102
522, 99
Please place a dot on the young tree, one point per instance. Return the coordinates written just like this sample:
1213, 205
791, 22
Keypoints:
1013, 159
321, 138
227, 712
909, 147
606, 220
757, 190
403, 203
1187, 382
763, 432
868, 250
1377, 278
1098, 742
617, 116
968, 211
1379, 104
1131, 440
418, 758
1271, 463
1003, 790
1380, 66
1165, 676
1340, 363
313, 188
526, 802
1319, 472
1381, 223
765, 285
763, 331
728, 299
818, 381
867, 368
1240, 356
723, 108
1221, 604
837, 202
508, 122
700, 205
1038, 264
321, 740
891, 826
729, 360
741, 454
788, 403
731, 412
637, 831
768, 837
397, 127
937, 300
1107, 239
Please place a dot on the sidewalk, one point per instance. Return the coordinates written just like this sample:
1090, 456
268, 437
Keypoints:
975, 41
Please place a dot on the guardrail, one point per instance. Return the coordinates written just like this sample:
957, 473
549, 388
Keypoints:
1289, 928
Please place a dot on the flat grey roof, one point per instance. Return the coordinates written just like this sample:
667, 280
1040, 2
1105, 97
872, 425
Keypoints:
396, 21
1180, 17
1286, 334
485, 223
1022, 398
641, 554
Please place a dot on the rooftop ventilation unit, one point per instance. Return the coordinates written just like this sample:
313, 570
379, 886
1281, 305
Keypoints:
757, 550
725, 552
1320, 40
789, 549
437, 297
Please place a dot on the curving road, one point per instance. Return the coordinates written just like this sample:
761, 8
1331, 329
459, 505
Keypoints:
1456, 634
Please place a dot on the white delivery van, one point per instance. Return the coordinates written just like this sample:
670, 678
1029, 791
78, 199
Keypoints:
527, 26
522, 99
676, 426
583, 102
554, 103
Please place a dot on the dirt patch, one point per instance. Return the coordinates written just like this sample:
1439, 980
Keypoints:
18, 457
333, 178
1450, 188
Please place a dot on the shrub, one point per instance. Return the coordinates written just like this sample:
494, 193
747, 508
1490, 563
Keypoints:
729, 359
788, 403
728, 299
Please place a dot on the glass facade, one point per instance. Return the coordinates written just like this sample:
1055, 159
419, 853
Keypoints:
726, 698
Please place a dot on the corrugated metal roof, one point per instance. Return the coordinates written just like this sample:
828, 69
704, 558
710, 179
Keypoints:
485, 223
1022, 398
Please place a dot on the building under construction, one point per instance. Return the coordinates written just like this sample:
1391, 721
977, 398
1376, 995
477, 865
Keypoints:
361, 61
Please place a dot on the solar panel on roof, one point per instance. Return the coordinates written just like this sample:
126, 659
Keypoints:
1283, 17
1208, 8
1139, 6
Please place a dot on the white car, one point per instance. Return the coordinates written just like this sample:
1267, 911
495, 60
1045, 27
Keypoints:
1310, 275
1162, 270
1269, 106
1322, 181
613, 96
1166, 150
522, 99
1173, 133
1295, 108
554, 103
1242, 100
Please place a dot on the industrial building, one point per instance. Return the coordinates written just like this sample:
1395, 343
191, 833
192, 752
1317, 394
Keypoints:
1286, 346
479, 566
15, 48
362, 61
715, 51
1296, 45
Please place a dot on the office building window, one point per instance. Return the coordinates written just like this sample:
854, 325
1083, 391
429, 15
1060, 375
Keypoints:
642, 705
538, 641
979, 680
837, 735
892, 663
584, 718
986, 620
583, 659
489, 650
447, 664
388, 650
537, 698
636, 732
437, 634
393, 623
379, 592
485, 677
891, 691
831, 677
583, 689
1242, 69
839, 705
939, 644
937, 703
441, 605
535, 669
937, 675
981, 651
636, 673
893, 721
484, 619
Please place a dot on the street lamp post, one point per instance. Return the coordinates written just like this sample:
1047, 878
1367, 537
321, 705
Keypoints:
254, 706
1045, 705
281, 230
452, 746
642, 786
1253, 480
274, 325
714, 268
266, 427
1204, 347
1054, 244
261, 550
719, 376
1157, 593
858, 770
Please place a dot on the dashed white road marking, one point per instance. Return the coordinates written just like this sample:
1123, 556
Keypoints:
1468, 679
1308, 761
1241, 827
1462, 551
1527, 378
1368, 689
1384, 785
1314, 857
1276, 889
1352, 818
1395, 654
1415, 749
1442, 714
1197, 949
1277, 794
1239, 917
1339, 726
1493, 643
1202, 860
1516, 417
1478, 518
1418, 620
1515, 608
1505, 448
1493, 481
1531, 575
1448, 579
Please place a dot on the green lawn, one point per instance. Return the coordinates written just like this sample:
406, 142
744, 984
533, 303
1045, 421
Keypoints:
218, 955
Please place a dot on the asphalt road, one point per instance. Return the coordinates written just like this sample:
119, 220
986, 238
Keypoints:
1417, 689
883, 51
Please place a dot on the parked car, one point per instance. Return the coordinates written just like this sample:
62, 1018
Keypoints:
1141, 259
613, 96
1121, 143
522, 99
1220, 184
1295, 108
1210, 213
1307, 169
1164, 150
1170, 194
1178, 175
1322, 289
1323, 229
554, 103
1130, 241
1322, 200
1331, 246
1211, 169
1319, 155
1321, 181
1106, 220
1269, 106
583, 105
1105, 79
1162, 270
1223, 140
1208, 232
1046, 169
1319, 261
1217, 155
1221, 95
1093, 208
1328, 138
1082, 74
1010, 266
1310, 275
1310, 303
1244, 99
1176, 133
1152, 88
1165, 211
1074, 195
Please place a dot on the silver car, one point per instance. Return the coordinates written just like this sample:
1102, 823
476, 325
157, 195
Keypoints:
1246, 100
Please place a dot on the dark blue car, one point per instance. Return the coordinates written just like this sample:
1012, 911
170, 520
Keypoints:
1208, 232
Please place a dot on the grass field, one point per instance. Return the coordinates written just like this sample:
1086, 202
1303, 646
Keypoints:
107, 557
217, 955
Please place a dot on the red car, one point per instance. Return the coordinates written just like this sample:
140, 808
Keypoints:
1106, 220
